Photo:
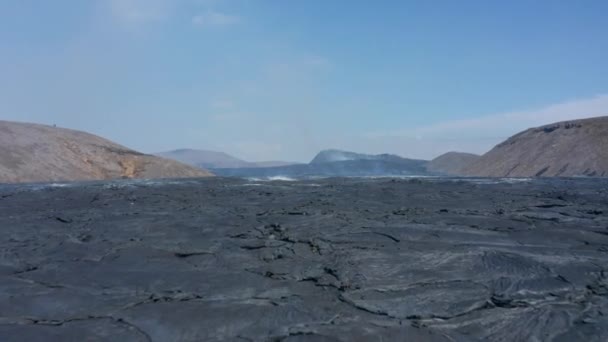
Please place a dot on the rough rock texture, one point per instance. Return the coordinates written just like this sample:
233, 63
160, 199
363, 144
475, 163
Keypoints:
452, 163
331, 260
570, 148
212, 159
39, 153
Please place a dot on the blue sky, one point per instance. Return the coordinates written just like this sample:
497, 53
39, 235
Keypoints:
283, 79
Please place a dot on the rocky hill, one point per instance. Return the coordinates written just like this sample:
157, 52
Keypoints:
569, 148
39, 153
452, 163
212, 159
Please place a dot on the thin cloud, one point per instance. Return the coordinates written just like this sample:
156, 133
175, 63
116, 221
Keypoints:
226, 117
297, 70
135, 12
215, 19
316, 61
222, 104
507, 122
478, 135
576, 109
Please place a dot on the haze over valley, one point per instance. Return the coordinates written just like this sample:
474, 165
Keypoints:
563, 149
38, 153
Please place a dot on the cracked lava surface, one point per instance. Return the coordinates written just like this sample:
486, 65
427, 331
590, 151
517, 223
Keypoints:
323, 260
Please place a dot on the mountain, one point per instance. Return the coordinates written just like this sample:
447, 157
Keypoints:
39, 153
335, 163
212, 159
329, 156
569, 148
452, 163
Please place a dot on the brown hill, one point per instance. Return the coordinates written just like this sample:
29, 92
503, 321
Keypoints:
569, 148
39, 153
452, 163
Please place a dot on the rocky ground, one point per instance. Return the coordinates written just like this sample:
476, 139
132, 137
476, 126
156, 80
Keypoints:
324, 260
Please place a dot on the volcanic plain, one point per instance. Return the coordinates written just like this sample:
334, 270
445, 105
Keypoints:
345, 259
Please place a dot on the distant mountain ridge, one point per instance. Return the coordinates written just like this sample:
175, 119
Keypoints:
337, 163
562, 149
568, 148
38, 153
212, 159
333, 155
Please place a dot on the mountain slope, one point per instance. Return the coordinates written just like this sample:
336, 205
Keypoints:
212, 159
452, 163
39, 153
569, 148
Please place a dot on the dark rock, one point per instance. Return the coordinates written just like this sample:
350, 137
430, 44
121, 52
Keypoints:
216, 259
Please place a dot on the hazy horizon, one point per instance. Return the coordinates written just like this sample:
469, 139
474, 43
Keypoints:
269, 80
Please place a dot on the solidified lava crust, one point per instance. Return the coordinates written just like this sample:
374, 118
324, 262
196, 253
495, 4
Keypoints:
317, 260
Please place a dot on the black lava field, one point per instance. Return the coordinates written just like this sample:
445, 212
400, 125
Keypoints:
344, 259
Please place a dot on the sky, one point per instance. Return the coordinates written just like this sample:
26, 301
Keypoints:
282, 80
